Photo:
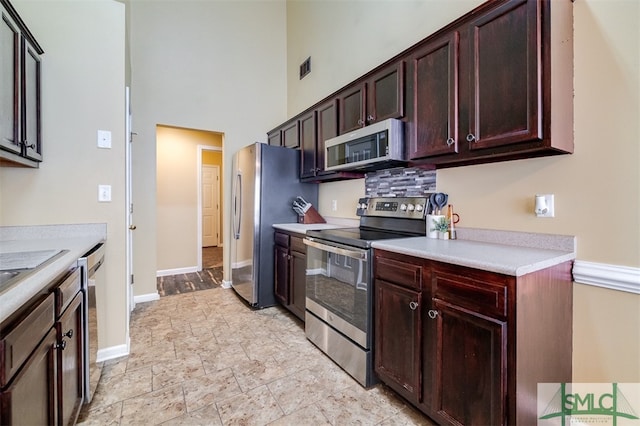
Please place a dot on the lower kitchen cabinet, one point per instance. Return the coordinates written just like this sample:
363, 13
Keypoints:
290, 272
467, 346
41, 376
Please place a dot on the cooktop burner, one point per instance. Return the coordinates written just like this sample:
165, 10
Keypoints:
381, 218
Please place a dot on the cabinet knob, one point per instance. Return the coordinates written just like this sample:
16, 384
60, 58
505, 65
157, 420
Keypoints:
471, 137
370, 118
432, 313
413, 305
61, 345
360, 122
450, 141
68, 334
29, 145
132, 227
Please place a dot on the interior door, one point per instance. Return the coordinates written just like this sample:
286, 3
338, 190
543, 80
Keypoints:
210, 206
129, 201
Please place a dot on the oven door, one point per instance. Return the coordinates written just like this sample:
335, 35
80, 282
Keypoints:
339, 288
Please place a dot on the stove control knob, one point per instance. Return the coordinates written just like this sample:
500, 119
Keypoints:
419, 207
410, 207
363, 206
403, 207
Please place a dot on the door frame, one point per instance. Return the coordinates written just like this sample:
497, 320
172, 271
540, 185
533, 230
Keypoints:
199, 186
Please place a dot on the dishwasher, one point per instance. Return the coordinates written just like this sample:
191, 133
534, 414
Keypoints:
92, 276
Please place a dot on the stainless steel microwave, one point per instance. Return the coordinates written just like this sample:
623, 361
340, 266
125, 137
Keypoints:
372, 147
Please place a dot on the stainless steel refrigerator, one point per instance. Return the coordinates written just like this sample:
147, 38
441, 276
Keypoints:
265, 183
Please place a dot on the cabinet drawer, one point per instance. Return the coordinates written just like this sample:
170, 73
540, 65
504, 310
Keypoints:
19, 342
281, 239
298, 245
394, 271
485, 296
66, 290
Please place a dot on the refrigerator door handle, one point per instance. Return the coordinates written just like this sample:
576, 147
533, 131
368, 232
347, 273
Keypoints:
237, 207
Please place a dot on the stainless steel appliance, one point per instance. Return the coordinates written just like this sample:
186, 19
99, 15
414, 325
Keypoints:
369, 148
92, 276
339, 287
265, 182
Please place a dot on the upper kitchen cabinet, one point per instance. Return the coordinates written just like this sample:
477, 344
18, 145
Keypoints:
20, 119
285, 135
377, 97
511, 93
316, 126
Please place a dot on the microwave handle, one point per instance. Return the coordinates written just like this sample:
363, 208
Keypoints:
356, 254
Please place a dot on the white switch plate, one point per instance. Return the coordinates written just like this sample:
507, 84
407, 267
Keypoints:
104, 139
104, 193
334, 205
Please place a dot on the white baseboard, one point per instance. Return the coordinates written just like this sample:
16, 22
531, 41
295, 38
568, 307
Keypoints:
613, 277
113, 352
176, 271
150, 297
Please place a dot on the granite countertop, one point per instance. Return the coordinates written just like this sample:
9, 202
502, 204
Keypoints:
75, 240
493, 256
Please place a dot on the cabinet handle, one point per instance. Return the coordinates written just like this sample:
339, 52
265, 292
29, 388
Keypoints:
68, 333
29, 145
360, 122
432, 313
450, 141
413, 306
61, 345
471, 138
370, 118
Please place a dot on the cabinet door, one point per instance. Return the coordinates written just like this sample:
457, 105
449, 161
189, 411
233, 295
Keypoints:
398, 334
274, 138
31, 127
70, 363
31, 397
308, 145
385, 94
290, 135
435, 91
9, 89
298, 291
505, 99
351, 106
470, 367
327, 115
281, 257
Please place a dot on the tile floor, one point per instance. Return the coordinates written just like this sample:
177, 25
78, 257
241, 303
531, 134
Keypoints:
205, 358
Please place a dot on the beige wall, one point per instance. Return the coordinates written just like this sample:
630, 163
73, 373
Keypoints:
83, 79
177, 194
209, 65
597, 189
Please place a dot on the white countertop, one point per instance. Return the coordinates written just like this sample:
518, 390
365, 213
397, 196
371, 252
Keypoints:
302, 228
75, 239
500, 258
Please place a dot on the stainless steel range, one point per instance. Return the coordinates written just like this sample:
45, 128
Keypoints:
339, 285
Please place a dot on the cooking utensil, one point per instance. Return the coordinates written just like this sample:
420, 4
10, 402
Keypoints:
438, 200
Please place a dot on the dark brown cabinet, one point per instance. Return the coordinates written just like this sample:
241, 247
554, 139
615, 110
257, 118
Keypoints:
482, 87
316, 127
290, 272
20, 122
69, 304
467, 346
41, 376
285, 135
377, 97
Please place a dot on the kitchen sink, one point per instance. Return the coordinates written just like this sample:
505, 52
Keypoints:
15, 266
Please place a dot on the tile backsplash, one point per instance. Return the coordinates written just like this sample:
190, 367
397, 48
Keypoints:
400, 182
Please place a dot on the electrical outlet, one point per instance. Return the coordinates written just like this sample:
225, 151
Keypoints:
334, 205
104, 193
104, 139
544, 205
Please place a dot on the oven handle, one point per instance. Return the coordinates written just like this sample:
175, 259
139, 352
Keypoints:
356, 254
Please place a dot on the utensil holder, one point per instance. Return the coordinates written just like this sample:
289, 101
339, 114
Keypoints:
311, 216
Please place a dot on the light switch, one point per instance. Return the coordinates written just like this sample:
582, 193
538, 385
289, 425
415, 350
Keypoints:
104, 139
104, 193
